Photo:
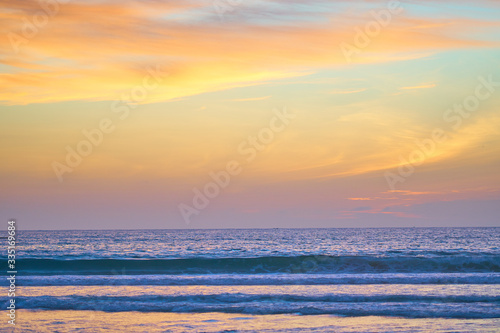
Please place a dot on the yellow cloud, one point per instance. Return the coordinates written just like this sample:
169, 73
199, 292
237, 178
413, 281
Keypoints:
93, 51
346, 92
250, 99
418, 87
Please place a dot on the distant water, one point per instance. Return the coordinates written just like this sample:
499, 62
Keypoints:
409, 273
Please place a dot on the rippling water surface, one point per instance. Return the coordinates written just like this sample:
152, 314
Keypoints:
417, 273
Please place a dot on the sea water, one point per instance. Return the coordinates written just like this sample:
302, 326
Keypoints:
439, 279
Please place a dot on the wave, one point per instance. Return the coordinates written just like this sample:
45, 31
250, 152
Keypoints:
258, 265
258, 279
412, 306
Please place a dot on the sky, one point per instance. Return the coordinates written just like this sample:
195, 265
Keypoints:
249, 114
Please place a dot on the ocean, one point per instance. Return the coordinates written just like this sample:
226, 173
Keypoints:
257, 280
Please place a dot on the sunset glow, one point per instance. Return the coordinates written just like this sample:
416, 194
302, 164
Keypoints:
393, 126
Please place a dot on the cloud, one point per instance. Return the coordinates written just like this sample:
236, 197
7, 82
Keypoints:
406, 192
362, 208
95, 50
462, 212
346, 92
427, 86
250, 99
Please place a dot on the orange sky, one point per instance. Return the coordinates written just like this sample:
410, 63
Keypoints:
112, 113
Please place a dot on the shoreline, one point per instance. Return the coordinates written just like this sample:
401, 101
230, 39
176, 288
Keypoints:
131, 321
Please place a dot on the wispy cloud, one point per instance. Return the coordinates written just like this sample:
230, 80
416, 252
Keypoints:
425, 86
344, 92
406, 192
250, 99
185, 38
